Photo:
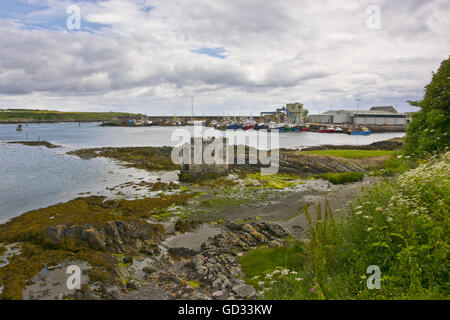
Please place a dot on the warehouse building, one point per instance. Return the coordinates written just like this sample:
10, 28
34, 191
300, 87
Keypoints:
377, 116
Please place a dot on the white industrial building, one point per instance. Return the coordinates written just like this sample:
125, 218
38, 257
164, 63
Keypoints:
378, 116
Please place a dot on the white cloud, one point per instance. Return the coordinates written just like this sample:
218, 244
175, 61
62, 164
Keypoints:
141, 60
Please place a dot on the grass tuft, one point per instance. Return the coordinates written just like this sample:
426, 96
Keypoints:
341, 178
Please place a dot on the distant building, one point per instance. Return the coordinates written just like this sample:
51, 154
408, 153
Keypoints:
375, 116
296, 111
384, 108
320, 118
409, 116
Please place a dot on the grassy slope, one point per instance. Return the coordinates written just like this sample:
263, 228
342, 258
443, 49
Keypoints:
401, 225
46, 115
341, 178
350, 154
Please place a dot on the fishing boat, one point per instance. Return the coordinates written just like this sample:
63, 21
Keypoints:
19, 127
360, 131
200, 123
260, 126
248, 127
234, 126
327, 130
280, 127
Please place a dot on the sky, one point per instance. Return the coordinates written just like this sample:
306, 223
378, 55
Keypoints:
234, 57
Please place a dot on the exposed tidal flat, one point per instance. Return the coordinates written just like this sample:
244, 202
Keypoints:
111, 201
37, 177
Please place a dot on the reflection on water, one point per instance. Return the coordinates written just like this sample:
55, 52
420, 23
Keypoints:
89, 135
36, 177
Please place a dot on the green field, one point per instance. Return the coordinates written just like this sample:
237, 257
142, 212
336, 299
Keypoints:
350, 154
23, 115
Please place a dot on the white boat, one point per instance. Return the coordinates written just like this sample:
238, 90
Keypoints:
197, 123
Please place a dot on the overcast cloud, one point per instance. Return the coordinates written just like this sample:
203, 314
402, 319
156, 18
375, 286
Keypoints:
234, 56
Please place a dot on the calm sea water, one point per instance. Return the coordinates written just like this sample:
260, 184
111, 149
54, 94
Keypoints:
36, 177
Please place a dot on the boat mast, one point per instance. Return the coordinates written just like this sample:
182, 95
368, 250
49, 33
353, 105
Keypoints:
192, 108
357, 109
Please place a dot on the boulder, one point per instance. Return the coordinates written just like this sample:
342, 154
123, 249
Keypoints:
244, 291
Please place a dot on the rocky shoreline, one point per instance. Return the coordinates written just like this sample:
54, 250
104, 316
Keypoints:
36, 144
391, 144
183, 242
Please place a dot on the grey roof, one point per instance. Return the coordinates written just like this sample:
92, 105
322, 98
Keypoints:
361, 112
385, 108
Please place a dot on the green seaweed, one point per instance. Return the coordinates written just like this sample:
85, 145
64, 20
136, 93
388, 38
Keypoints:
147, 158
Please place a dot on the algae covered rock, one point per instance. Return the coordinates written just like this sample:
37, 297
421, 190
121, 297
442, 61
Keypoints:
115, 236
185, 225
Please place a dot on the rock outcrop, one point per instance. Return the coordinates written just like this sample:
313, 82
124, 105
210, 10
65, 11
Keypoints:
114, 236
217, 267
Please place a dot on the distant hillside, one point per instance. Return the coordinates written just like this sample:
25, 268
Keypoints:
28, 115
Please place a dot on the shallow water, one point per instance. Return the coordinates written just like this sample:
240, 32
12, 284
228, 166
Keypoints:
90, 135
36, 177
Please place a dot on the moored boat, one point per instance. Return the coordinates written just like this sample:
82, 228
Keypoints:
234, 126
327, 130
360, 131
280, 127
260, 126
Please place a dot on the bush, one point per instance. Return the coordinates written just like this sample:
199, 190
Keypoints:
428, 131
400, 225
395, 164
344, 177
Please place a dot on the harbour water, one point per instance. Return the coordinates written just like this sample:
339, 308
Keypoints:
36, 177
